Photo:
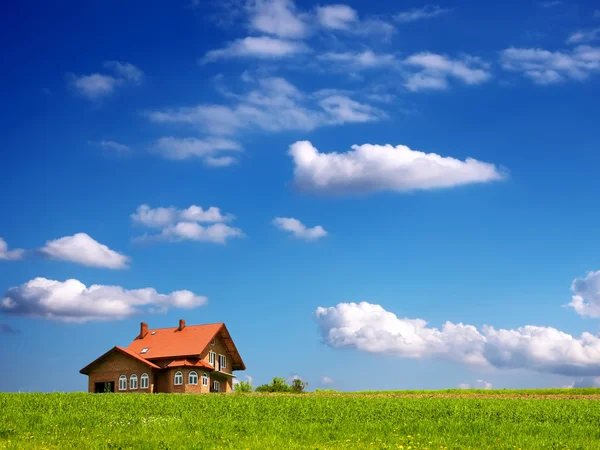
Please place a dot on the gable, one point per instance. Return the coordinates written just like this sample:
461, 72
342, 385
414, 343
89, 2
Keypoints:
118, 359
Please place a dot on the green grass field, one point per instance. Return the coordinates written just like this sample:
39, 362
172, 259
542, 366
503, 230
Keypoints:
544, 419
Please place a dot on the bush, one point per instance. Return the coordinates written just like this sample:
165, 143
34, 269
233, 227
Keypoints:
243, 387
299, 385
277, 385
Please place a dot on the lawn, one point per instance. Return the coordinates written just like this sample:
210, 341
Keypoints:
551, 419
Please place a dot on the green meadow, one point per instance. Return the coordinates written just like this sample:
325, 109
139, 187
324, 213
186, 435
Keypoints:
540, 419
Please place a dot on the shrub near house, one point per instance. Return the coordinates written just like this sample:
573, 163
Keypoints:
196, 358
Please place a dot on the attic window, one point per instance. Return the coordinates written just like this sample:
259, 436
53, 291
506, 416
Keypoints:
144, 350
212, 342
154, 332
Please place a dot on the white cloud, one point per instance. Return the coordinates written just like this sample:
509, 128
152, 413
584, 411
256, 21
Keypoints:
371, 168
277, 17
97, 85
426, 12
366, 59
479, 384
184, 224
273, 105
298, 229
114, 147
125, 70
337, 17
325, 381
161, 217
257, 47
82, 249
436, 69
586, 298
584, 36
72, 301
545, 67
205, 149
370, 328
6, 254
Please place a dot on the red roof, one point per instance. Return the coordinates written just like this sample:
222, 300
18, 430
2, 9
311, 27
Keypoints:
125, 351
192, 340
190, 363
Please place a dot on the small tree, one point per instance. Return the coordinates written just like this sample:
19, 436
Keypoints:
298, 385
277, 385
243, 387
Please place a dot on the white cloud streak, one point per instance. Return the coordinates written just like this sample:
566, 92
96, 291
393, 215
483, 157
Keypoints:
114, 147
337, 17
435, 70
208, 150
82, 249
298, 229
72, 301
98, 85
371, 168
545, 67
366, 59
262, 47
277, 17
9, 255
478, 384
426, 12
370, 328
583, 36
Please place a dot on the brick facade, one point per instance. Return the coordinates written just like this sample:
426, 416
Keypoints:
115, 365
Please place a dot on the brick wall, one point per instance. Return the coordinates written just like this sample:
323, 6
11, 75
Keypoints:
115, 365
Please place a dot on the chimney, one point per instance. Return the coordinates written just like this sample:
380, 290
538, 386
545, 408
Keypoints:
143, 330
181, 325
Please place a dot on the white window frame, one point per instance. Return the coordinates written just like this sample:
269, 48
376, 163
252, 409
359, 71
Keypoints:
222, 362
195, 374
204, 379
216, 386
133, 381
144, 381
212, 356
123, 383
178, 374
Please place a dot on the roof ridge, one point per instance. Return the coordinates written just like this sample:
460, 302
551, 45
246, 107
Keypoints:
197, 325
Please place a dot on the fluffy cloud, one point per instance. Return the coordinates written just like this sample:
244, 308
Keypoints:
277, 17
426, 12
97, 85
584, 36
371, 168
274, 105
586, 298
337, 17
72, 301
257, 47
298, 229
435, 70
82, 249
479, 384
208, 150
546, 67
371, 328
6, 254
184, 224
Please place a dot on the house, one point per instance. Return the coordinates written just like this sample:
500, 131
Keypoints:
183, 359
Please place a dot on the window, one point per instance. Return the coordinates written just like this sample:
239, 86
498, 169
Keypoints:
178, 378
212, 342
216, 386
133, 382
211, 358
222, 362
144, 381
193, 378
204, 379
122, 383
144, 350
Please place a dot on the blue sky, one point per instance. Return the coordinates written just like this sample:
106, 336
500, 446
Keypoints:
323, 178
